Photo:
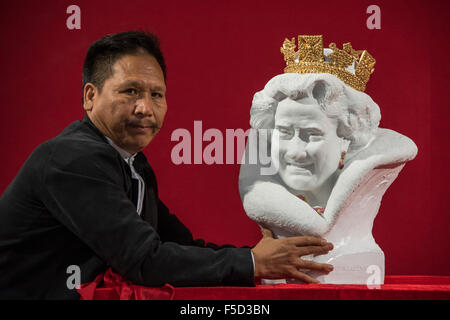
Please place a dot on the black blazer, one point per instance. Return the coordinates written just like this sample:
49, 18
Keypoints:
70, 205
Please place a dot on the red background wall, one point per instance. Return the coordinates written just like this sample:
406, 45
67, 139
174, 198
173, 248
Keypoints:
219, 53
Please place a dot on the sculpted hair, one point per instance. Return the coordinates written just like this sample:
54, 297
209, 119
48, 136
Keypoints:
103, 53
358, 116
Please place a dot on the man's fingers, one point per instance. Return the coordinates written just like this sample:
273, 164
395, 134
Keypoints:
311, 265
307, 241
266, 233
303, 277
315, 250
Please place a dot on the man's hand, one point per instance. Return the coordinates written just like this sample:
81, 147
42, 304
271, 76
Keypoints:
281, 258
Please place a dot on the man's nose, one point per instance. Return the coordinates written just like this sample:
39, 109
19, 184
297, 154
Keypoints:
296, 149
145, 107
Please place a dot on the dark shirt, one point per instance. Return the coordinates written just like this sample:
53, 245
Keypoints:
70, 204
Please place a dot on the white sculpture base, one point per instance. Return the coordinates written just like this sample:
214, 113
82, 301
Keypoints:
357, 268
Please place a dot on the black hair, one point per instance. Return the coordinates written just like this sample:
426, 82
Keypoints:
103, 53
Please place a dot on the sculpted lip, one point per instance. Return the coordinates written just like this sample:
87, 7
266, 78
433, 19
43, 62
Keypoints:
300, 168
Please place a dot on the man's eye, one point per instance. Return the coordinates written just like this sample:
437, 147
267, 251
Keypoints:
131, 91
157, 95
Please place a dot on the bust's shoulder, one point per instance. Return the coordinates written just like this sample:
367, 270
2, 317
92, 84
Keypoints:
389, 146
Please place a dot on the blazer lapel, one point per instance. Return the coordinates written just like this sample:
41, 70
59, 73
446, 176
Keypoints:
150, 207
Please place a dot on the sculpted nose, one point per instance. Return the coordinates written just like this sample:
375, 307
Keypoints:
296, 149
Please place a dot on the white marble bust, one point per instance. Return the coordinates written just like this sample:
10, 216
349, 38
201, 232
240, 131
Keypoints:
332, 165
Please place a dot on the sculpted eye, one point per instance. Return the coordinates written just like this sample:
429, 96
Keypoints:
313, 135
285, 132
310, 135
315, 138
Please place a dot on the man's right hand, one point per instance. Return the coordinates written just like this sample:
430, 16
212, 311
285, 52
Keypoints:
281, 258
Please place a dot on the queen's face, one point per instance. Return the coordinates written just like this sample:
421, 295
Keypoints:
305, 148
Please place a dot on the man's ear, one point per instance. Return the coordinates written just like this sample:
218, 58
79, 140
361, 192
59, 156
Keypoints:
90, 92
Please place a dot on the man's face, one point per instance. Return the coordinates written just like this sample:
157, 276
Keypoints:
131, 106
305, 147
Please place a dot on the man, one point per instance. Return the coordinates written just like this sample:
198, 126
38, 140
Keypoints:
89, 198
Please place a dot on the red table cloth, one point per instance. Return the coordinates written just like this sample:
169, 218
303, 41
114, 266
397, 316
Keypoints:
111, 286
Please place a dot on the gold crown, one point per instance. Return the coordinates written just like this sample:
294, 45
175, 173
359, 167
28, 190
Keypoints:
351, 66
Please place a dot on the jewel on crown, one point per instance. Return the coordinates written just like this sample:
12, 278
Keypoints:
354, 67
